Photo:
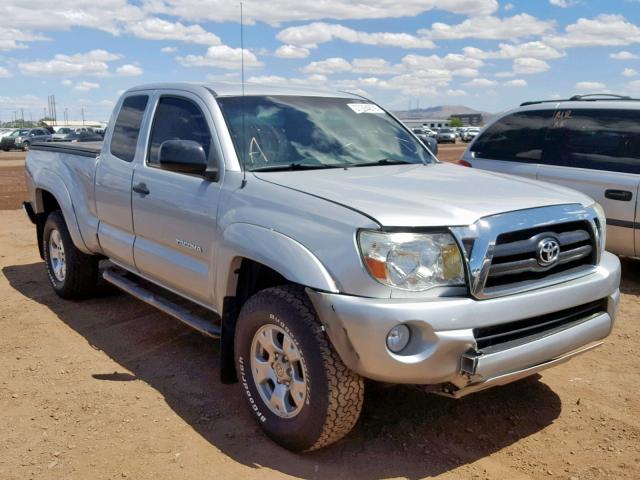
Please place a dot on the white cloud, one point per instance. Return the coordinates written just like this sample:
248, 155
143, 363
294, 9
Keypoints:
169, 49
590, 86
535, 49
292, 51
86, 86
313, 34
5, 73
633, 86
603, 30
66, 82
376, 66
94, 62
528, 66
451, 61
129, 70
158, 29
47, 15
563, 3
221, 56
328, 66
490, 28
456, 93
508, 7
623, 55
13, 38
480, 82
629, 72
465, 72
277, 11
516, 83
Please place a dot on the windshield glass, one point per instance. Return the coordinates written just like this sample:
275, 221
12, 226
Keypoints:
316, 132
446, 130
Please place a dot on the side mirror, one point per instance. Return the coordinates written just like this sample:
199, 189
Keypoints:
185, 156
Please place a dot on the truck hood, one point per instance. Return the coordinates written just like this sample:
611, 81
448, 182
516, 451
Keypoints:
425, 195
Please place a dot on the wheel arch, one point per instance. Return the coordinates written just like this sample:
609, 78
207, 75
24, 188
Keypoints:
52, 194
251, 258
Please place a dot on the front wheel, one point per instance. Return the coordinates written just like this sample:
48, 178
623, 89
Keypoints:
25, 146
294, 382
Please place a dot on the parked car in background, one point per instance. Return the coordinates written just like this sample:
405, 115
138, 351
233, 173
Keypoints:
589, 143
61, 132
80, 137
8, 142
470, 133
430, 142
446, 135
323, 244
24, 140
5, 131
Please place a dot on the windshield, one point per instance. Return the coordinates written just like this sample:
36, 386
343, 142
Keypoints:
316, 132
446, 130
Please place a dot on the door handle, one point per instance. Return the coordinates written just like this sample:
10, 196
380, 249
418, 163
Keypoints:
141, 188
620, 195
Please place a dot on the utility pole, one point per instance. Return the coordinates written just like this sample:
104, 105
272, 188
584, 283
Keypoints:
82, 111
22, 116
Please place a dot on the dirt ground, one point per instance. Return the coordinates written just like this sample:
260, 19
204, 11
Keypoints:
110, 388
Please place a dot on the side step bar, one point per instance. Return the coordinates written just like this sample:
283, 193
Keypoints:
200, 324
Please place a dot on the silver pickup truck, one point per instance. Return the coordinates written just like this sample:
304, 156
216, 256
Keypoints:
323, 244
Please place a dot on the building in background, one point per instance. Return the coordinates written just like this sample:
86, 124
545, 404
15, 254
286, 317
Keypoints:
469, 119
425, 122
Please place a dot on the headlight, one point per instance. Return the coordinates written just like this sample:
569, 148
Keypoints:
602, 219
412, 261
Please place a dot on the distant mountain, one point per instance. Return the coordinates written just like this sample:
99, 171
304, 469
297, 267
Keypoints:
441, 111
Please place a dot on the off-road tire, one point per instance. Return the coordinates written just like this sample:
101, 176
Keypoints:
334, 393
81, 274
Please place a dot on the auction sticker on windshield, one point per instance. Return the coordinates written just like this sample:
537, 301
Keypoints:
365, 108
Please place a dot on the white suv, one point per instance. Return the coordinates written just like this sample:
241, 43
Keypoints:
589, 142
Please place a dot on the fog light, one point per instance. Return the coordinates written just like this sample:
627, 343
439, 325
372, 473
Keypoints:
398, 338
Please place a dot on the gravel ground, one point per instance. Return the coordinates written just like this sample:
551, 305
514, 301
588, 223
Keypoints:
111, 388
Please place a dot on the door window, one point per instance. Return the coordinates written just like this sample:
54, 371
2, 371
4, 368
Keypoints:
518, 137
127, 127
598, 139
177, 119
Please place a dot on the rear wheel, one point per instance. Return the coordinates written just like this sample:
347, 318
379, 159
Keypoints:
295, 384
72, 273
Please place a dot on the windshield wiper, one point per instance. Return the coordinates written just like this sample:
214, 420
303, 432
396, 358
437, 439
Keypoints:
297, 166
382, 161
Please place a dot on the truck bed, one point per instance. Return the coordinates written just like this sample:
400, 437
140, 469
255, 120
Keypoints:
83, 149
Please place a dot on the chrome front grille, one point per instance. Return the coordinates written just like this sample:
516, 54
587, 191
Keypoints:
515, 253
501, 251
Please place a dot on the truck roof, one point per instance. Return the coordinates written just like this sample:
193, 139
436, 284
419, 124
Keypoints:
229, 89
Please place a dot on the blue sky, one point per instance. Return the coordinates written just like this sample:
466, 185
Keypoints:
486, 54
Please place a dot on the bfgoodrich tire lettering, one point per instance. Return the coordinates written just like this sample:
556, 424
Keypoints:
81, 270
334, 394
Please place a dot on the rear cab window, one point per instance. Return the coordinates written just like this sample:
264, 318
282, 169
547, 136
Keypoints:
127, 127
518, 137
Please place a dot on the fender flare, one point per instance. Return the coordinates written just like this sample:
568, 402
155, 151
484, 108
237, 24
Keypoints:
277, 251
51, 182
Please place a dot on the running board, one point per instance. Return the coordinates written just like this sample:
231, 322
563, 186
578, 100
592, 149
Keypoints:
200, 324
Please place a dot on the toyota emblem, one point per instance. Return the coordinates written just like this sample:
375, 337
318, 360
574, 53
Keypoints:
548, 251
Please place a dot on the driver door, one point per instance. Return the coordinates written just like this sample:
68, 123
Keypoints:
174, 214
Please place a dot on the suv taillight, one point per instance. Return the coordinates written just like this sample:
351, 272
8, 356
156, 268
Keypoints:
464, 163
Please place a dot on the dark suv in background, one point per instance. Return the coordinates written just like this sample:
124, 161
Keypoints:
590, 143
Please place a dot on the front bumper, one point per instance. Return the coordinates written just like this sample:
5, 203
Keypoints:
442, 332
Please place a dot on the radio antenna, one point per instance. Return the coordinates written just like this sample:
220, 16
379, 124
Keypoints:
242, 103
